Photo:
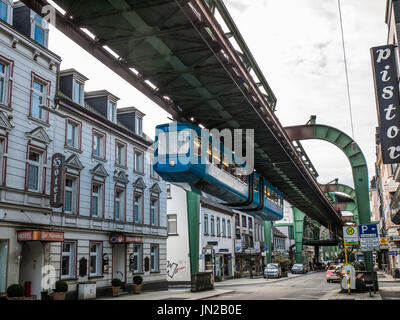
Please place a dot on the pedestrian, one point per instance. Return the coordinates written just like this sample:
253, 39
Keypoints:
251, 271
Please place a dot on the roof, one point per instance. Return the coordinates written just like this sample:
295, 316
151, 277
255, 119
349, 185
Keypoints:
278, 233
210, 204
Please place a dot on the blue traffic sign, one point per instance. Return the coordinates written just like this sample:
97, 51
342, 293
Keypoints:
368, 229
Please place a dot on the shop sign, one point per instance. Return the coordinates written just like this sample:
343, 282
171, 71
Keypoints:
238, 245
223, 250
57, 181
125, 239
392, 253
394, 238
387, 101
40, 236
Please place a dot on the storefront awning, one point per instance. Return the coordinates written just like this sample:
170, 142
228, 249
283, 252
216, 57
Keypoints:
39, 235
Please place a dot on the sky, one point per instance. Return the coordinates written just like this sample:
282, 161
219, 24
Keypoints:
297, 45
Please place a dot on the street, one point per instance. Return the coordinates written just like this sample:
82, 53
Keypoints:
310, 286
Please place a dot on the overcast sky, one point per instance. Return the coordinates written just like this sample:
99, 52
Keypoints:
297, 44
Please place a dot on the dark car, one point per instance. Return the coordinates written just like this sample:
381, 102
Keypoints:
299, 268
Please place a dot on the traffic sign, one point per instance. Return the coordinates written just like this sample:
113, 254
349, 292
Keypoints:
350, 235
369, 238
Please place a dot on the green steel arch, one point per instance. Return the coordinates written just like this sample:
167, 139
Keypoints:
355, 157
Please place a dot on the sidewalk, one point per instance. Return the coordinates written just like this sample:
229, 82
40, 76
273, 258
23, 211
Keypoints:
383, 278
248, 281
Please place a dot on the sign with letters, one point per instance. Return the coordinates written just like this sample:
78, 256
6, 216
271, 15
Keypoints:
350, 235
57, 181
369, 238
387, 101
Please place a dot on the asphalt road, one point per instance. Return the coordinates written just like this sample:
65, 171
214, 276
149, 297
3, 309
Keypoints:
311, 286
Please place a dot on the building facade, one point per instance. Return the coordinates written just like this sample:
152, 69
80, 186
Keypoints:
111, 219
216, 240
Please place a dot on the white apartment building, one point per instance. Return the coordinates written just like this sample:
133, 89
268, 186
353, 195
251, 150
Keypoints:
216, 241
112, 222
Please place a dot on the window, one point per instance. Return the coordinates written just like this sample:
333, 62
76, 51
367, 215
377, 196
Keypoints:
218, 227
138, 125
223, 228
119, 204
138, 165
244, 222
2, 159
4, 78
4, 11
138, 208
73, 134
68, 260
71, 195
172, 224
154, 258
137, 258
212, 226
120, 154
206, 224
77, 92
229, 229
40, 30
154, 212
112, 111
169, 191
38, 99
95, 259
99, 144
250, 223
97, 200
3, 265
35, 169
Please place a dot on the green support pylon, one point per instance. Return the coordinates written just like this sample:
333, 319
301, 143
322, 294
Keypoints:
268, 239
298, 218
193, 214
356, 159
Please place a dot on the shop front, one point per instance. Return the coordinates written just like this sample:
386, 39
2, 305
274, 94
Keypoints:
33, 259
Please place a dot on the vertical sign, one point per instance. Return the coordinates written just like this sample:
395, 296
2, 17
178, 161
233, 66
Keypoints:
387, 101
369, 237
57, 181
350, 235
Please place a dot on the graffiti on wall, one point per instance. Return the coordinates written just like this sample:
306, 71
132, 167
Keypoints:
172, 269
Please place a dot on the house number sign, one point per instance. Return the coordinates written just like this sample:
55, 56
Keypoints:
387, 101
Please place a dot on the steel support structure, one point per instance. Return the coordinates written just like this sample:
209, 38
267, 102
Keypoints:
355, 157
193, 214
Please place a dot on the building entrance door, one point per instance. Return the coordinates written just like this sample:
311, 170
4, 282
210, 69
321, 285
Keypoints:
119, 261
3, 265
32, 260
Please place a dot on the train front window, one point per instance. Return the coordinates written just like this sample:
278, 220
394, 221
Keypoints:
197, 146
173, 142
225, 163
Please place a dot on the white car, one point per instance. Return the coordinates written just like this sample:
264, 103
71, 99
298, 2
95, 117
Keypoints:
272, 270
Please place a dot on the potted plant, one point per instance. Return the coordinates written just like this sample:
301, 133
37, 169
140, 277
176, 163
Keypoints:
116, 286
60, 290
137, 283
15, 292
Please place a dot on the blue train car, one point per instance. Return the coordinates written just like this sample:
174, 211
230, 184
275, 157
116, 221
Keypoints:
183, 158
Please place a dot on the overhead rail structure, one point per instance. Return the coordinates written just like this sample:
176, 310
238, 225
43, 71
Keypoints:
178, 54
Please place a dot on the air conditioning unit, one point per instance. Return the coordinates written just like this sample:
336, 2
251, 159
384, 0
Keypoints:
87, 290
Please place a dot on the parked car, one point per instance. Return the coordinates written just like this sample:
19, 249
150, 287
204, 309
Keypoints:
272, 270
299, 268
334, 273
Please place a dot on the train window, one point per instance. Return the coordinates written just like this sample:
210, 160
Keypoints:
197, 146
269, 193
225, 163
209, 151
232, 168
179, 144
256, 184
265, 192
216, 156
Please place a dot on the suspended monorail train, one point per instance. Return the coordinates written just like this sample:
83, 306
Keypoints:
182, 158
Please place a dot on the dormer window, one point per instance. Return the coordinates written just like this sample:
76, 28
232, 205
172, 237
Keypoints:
5, 11
138, 126
39, 30
77, 92
112, 111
